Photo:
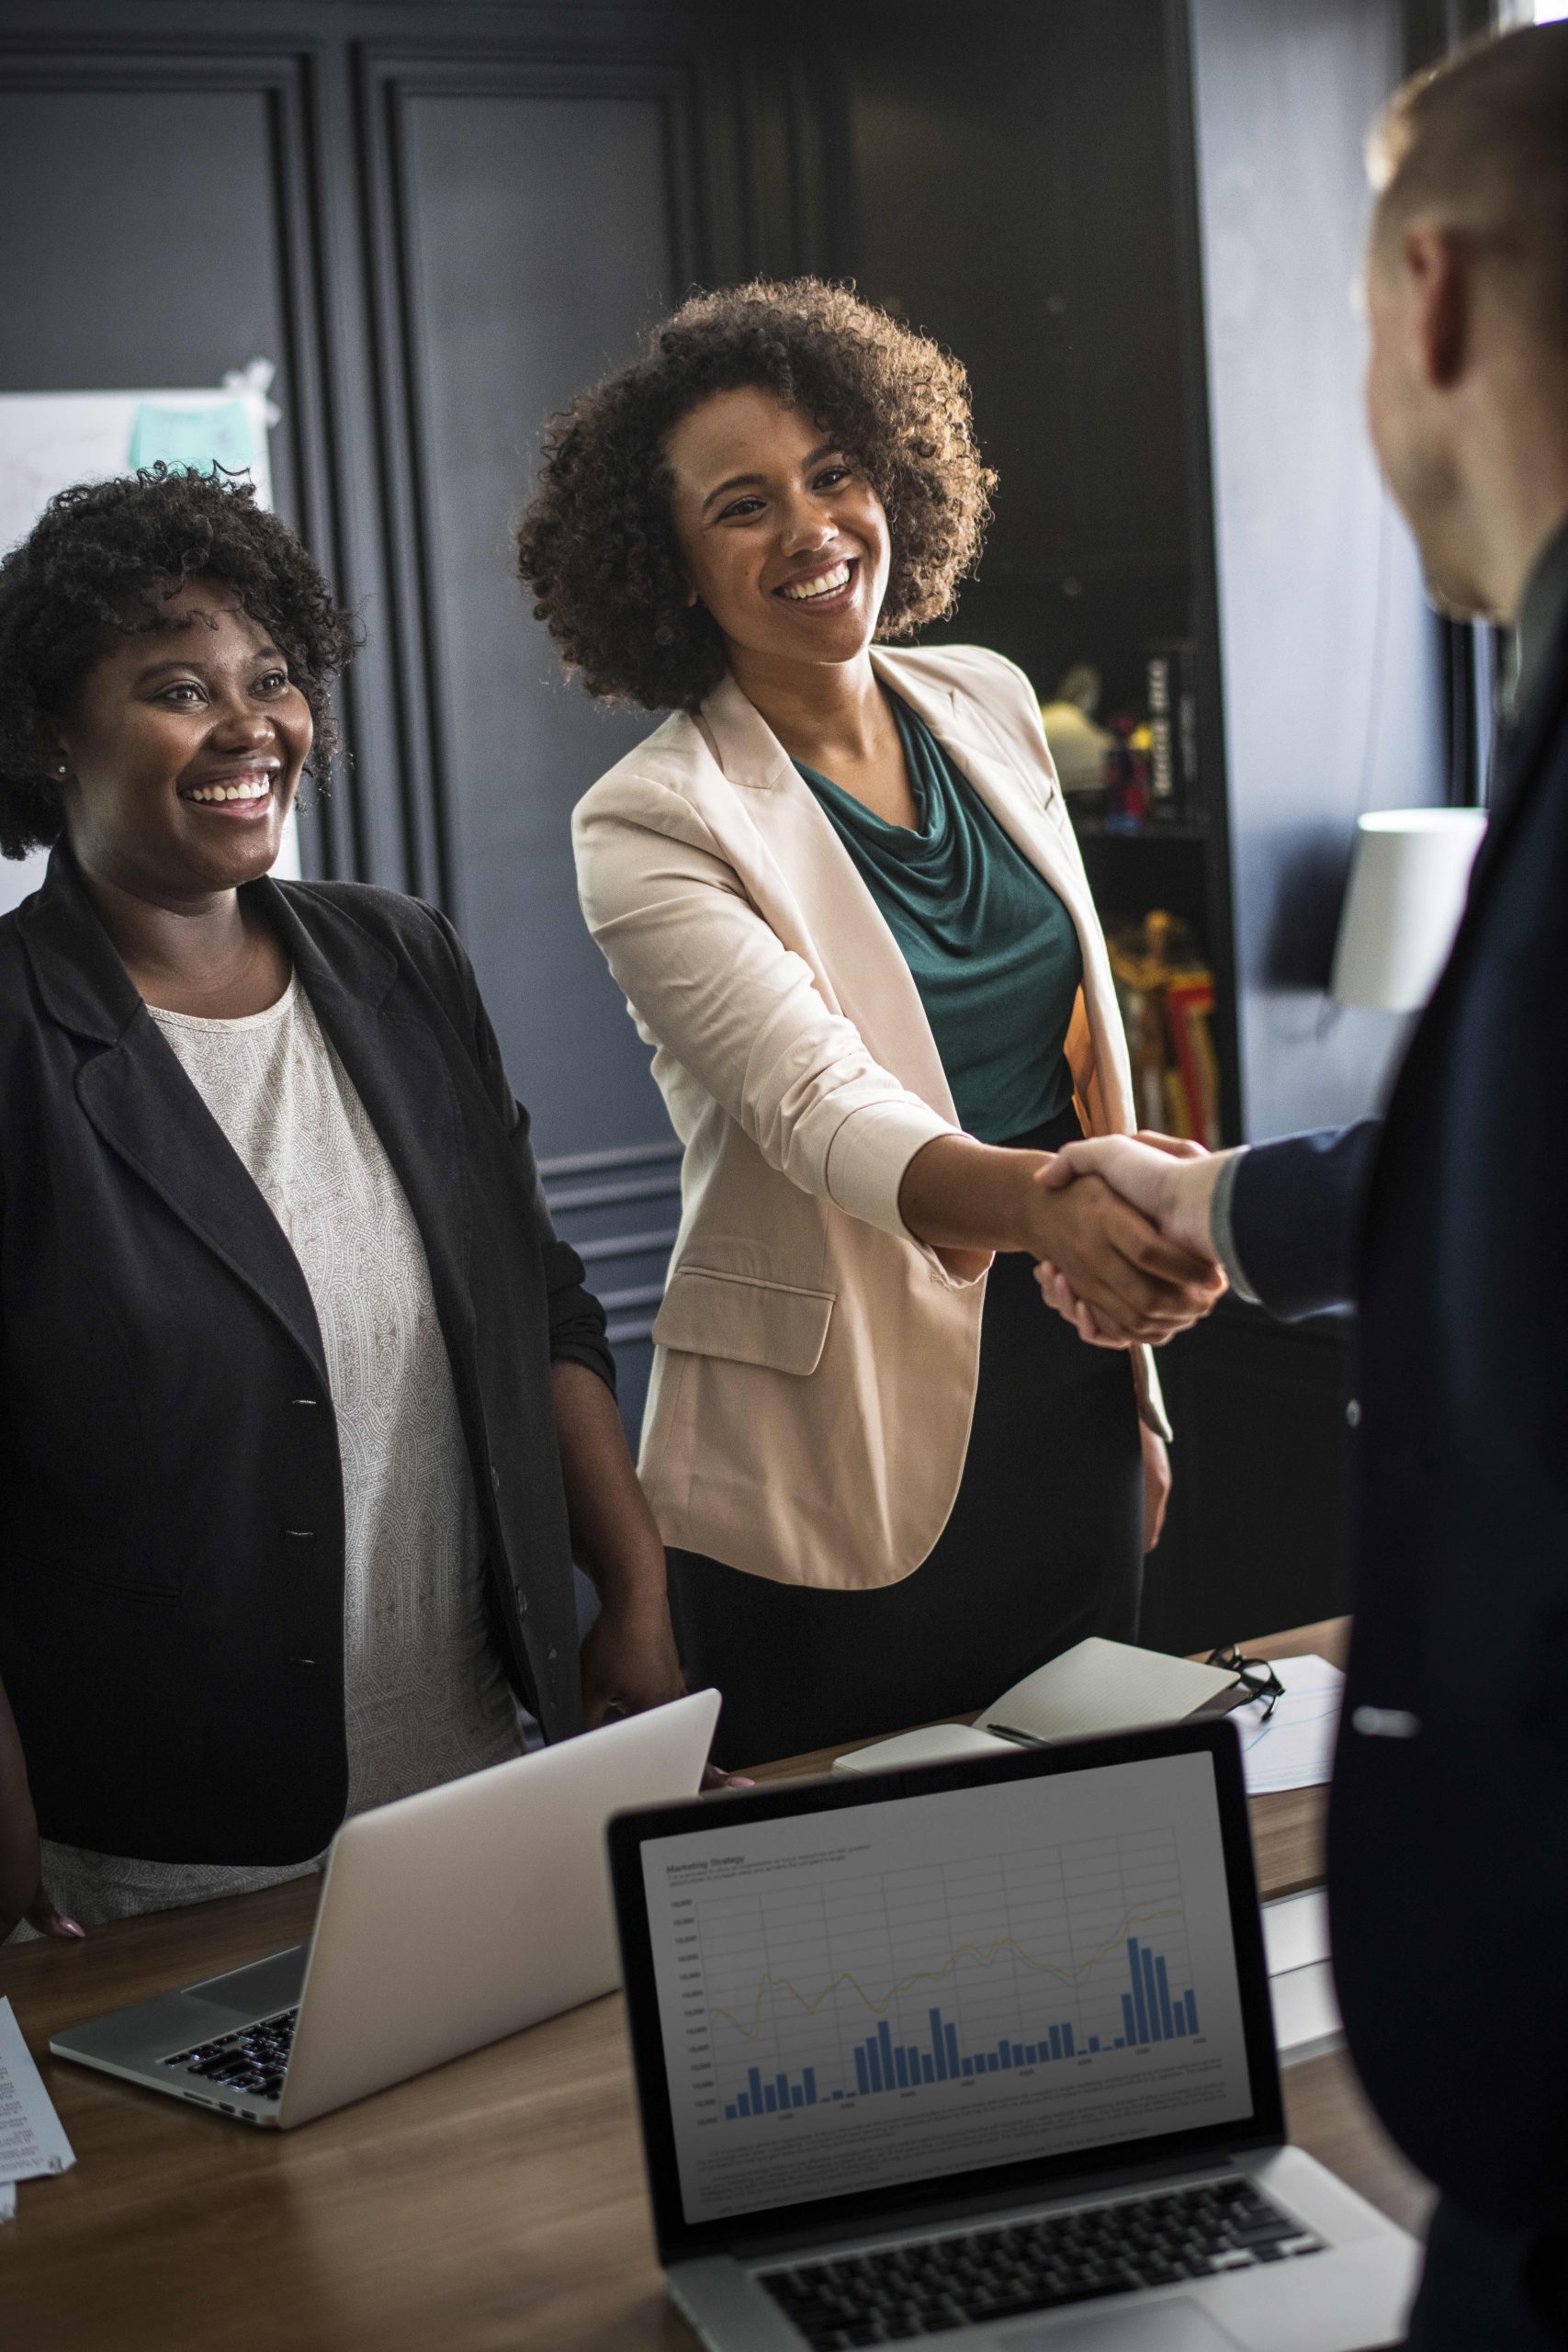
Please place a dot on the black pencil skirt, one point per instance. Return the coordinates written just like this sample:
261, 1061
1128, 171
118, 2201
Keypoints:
1045, 1547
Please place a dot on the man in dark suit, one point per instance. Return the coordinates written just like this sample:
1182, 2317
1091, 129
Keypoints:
1447, 1225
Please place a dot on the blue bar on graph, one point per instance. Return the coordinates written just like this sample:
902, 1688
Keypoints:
1151, 1998
797, 2097
1129, 2028
1166, 2021
863, 2080
968, 2066
1180, 2019
951, 2032
914, 2057
1067, 2039
939, 2045
754, 2081
781, 2082
730, 2114
838, 2093
901, 2067
1094, 2041
992, 2067
1003, 2056
928, 2072
1119, 2043
884, 2046
1140, 2014
808, 2076
873, 2060
1056, 2041
1192, 2006
1020, 2054
769, 2099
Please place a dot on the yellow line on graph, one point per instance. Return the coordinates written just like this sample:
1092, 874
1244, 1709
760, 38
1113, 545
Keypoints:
984, 1953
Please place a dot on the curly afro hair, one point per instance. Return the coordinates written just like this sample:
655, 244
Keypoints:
101, 562
597, 545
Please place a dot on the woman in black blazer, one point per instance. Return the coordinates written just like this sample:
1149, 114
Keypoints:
191, 1287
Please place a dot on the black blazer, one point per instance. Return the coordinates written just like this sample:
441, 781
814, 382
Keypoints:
1449, 1814
170, 1500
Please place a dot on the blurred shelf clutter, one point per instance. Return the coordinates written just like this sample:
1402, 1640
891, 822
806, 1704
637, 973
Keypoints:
1130, 774
1133, 789
1167, 995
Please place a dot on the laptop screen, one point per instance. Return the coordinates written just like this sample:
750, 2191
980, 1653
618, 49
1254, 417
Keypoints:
859, 1997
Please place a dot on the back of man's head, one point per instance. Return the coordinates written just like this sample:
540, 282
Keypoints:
1480, 145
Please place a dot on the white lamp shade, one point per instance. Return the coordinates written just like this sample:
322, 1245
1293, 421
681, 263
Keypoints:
1407, 887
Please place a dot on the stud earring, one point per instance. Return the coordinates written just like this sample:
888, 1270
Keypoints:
60, 768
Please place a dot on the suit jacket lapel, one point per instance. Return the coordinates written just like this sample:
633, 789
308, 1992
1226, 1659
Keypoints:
139, 1100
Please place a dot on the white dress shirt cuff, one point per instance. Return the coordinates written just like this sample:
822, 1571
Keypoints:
1221, 1230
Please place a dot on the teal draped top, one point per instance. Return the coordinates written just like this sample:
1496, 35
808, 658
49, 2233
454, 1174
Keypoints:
991, 948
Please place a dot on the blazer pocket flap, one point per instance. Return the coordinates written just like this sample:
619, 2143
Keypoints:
744, 1320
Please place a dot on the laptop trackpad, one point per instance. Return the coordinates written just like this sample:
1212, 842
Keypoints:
1160, 2327
275, 1983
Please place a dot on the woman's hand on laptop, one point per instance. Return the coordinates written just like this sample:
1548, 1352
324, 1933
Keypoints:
23, 1894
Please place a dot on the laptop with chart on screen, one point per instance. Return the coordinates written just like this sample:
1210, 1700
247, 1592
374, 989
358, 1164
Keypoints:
982, 2050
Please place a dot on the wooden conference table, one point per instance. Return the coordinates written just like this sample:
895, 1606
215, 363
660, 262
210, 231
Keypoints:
495, 2203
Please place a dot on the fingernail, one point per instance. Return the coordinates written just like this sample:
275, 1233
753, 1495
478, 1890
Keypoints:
71, 1927
739, 1781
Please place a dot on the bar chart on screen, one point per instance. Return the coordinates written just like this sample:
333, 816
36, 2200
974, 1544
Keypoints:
925, 1980
889, 1990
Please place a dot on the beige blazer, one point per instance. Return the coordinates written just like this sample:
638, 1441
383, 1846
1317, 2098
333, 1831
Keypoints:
814, 1364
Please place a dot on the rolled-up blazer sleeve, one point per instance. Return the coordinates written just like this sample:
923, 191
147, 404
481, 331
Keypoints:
713, 984
577, 1319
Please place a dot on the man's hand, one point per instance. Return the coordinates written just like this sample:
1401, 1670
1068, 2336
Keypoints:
1170, 1182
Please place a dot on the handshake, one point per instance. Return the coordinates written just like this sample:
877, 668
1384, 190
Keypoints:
1128, 1252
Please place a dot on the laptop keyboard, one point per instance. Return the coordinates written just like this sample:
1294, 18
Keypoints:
252, 2061
936, 2284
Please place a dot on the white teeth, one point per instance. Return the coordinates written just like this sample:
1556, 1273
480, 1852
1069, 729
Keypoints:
825, 585
255, 789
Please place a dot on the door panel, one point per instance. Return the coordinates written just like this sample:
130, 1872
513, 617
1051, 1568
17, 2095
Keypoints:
540, 240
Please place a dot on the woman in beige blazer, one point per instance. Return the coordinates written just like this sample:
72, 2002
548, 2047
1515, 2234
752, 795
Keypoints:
842, 894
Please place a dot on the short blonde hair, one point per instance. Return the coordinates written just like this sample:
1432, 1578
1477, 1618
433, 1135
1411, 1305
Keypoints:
1481, 143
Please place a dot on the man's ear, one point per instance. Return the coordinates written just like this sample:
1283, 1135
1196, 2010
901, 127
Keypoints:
1436, 268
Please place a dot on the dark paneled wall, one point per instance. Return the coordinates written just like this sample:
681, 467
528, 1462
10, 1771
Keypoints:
439, 221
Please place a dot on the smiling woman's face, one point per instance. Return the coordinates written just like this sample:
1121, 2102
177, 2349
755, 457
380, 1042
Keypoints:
784, 541
181, 751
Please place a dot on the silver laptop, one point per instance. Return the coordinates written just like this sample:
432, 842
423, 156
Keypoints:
446, 1920
983, 2052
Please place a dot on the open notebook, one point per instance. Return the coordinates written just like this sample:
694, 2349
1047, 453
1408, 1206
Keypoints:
1096, 1686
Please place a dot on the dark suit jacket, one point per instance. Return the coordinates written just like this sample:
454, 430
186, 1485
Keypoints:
1448, 1844
171, 1501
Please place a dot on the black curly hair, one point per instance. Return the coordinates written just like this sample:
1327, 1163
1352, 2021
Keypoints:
597, 545
102, 560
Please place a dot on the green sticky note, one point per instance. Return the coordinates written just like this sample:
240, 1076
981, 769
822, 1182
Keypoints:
194, 439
